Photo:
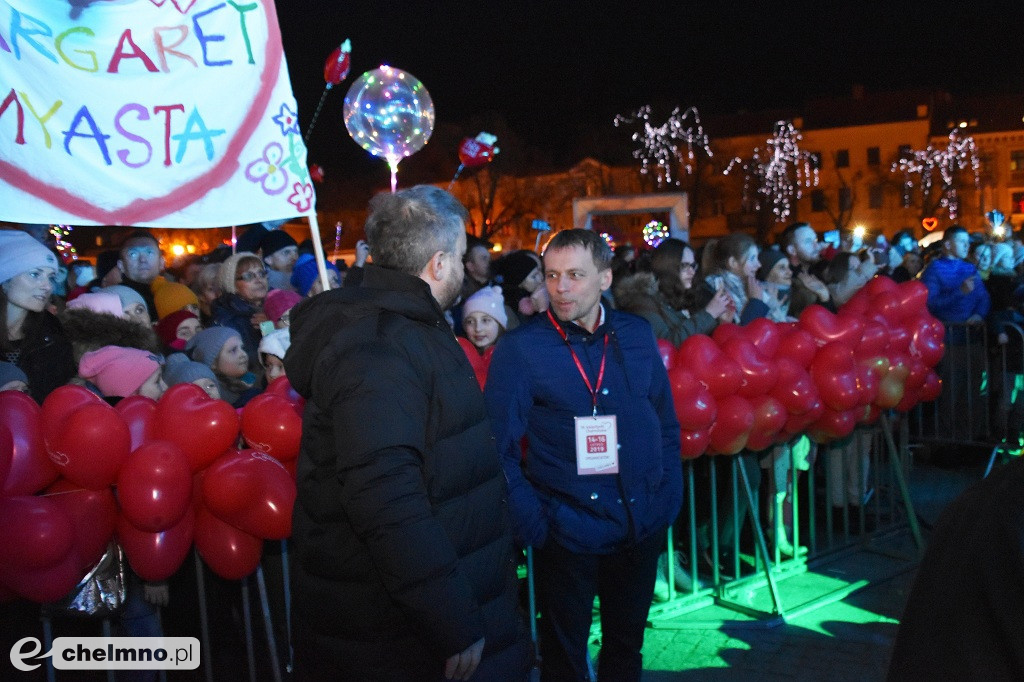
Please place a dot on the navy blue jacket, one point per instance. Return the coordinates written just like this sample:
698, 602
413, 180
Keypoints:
534, 389
946, 301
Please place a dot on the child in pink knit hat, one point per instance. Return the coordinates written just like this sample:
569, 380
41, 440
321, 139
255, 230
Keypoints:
484, 320
121, 372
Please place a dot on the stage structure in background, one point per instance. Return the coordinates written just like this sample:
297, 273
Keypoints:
389, 113
920, 167
660, 146
775, 175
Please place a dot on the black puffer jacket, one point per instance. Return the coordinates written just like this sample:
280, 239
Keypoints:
403, 550
47, 358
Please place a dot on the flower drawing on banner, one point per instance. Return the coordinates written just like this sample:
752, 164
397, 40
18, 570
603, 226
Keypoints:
302, 196
268, 171
287, 120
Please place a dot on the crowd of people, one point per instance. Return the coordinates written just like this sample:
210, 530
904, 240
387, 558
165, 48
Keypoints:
129, 325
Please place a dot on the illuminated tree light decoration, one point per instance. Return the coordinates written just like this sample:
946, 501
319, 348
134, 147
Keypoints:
958, 154
608, 239
655, 233
660, 146
775, 175
60, 234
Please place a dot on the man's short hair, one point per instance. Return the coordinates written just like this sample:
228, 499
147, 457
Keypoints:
952, 231
405, 229
139, 233
587, 239
788, 235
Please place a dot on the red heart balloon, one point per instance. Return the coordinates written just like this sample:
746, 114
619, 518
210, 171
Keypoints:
758, 372
695, 407
769, 419
859, 304
732, 427
35, 533
202, 427
45, 585
251, 491
157, 556
282, 387
91, 445
59, 405
868, 383
797, 345
834, 372
911, 397
925, 344
93, 515
693, 444
798, 423
31, 469
878, 285
832, 425
764, 334
794, 389
873, 341
229, 552
891, 387
155, 486
6, 453
271, 426
702, 357
826, 327
665, 349
726, 331
139, 413
913, 297
931, 389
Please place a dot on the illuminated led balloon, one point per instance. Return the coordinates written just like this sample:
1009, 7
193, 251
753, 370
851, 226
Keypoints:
389, 113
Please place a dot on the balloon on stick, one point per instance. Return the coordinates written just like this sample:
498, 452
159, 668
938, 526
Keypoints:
474, 152
389, 113
335, 70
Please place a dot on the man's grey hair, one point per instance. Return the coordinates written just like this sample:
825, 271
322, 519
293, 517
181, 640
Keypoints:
587, 239
406, 228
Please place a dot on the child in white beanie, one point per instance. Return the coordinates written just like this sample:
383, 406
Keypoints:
273, 347
484, 320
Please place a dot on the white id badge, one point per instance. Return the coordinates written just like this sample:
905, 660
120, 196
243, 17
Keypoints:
597, 445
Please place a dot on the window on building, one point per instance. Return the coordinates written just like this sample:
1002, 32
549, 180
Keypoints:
1017, 160
875, 195
843, 158
815, 160
905, 150
845, 198
818, 200
874, 156
1018, 202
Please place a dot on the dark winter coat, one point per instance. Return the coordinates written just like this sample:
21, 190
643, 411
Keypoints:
46, 357
231, 310
638, 294
403, 549
534, 388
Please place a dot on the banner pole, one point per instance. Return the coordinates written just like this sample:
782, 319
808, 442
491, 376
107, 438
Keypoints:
318, 249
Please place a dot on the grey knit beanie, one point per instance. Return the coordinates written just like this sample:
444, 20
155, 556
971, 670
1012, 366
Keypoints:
180, 370
205, 346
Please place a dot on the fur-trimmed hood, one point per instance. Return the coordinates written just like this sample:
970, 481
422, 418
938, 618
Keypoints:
89, 331
637, 293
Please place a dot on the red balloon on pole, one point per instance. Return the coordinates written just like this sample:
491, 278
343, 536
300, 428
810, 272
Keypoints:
35, 532
31, 469
45, 585
270, 425
155, 486
202, 427
139, 413
338, 64
93, 516
91, 445
693, 444
251, 491
229, 552
156, 556
732, 427
704, 359
695, 407
60, 404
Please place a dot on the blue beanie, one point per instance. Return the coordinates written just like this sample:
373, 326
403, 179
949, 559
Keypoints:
305, 273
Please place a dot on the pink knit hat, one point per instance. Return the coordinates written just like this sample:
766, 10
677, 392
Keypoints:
488, 300
100, 302
278, 302
118, 371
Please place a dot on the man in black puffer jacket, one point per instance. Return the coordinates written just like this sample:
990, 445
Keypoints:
404, 563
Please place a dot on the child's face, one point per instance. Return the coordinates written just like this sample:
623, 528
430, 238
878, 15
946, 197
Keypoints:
273, 366
481, 329
188, 328
154, 386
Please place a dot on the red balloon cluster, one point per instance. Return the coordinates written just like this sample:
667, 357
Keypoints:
158, 476
754, 386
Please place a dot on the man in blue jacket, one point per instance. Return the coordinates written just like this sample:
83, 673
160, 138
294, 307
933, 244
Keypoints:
955, 290
601, 479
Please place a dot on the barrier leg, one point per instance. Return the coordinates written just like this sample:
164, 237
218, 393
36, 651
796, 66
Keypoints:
285, 577
713, 478
762, 546
51, 674
897, 471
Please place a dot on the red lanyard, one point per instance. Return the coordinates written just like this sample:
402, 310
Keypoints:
579, 365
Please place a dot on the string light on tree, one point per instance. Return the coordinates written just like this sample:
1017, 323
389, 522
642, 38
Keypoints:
61, 235
660, 146
608, 239
655, 233
775, 175
958, 154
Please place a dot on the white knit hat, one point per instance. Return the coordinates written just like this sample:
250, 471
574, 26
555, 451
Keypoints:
275, 343
20, 252
488, 300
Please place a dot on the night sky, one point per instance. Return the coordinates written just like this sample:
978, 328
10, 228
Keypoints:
557, 72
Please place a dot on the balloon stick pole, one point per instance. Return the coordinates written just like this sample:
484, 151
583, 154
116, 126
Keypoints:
458, 171
393, 165
316, 113
318, 249
536, 245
